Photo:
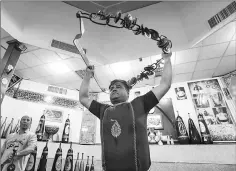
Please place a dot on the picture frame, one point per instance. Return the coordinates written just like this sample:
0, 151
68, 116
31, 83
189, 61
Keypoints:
53, 115
155, 121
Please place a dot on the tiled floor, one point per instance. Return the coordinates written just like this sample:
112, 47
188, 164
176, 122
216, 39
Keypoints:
164, 166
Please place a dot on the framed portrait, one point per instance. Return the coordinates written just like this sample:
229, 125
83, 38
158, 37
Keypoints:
201, 101
180, 93
222, 116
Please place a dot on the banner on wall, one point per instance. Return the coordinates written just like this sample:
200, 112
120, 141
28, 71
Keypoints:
88, 125
208, 100
88, 128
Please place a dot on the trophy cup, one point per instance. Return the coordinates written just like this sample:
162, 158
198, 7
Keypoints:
51, 130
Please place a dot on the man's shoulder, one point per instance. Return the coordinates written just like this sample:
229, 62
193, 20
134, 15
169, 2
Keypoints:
30, 133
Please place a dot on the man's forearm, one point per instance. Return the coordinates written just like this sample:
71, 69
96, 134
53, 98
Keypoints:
26, 151
167, 73
84, 88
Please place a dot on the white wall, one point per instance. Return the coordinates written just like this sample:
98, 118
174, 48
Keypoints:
13, 108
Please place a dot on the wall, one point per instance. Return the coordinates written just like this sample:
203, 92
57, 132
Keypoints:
17, 108
184, 107
13, 108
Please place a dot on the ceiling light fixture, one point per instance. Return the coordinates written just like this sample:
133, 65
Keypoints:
59, 68
48, 99
121, 68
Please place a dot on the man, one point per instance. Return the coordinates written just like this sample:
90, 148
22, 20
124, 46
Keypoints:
23, 142
124, 125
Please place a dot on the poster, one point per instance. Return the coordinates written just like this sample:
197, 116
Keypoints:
88, 126
208, 100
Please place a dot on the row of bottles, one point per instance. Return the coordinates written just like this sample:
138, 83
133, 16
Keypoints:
57, 163
194, 136
41, 126
10, 128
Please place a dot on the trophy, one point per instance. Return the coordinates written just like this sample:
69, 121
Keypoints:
51, 130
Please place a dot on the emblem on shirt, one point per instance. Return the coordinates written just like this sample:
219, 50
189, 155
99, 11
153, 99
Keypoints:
115, 129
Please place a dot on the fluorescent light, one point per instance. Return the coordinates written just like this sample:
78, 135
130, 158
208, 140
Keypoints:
48, 99
121, 69
59, 68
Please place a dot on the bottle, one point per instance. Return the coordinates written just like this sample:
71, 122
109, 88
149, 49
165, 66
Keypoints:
43, 160
9, 128
69, 159
168, 140
181, 130
77, 163
193, 133
81, 167
205, 133
40, 129
66, 131
16, 128
3, 127
57, 163
32, 160
160, 142
11, 166
87, 165
171, 140
92, 165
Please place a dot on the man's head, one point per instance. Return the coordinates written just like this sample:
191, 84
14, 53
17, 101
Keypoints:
119, 91
25, 122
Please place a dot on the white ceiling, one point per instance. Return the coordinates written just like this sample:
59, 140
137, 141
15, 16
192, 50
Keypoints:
214, 55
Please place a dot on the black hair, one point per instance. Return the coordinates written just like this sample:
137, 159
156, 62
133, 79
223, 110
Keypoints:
127, 87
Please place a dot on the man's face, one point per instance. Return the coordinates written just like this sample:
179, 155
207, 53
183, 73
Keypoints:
118, 93
25, 122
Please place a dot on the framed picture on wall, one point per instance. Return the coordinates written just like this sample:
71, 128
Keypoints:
53, 115
155, 121
180, 93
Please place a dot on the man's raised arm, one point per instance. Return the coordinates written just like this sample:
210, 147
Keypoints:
166, 78
84, 88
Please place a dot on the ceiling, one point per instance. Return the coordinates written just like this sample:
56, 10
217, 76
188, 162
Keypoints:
110, 6
208, 54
